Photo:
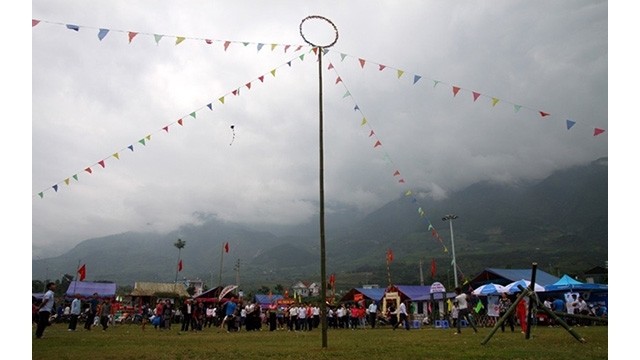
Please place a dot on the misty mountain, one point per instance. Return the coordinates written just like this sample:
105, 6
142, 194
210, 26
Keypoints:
559, 222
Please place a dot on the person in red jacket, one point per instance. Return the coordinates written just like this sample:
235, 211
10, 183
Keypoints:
521, 313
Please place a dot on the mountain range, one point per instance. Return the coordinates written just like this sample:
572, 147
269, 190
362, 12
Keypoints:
560, 222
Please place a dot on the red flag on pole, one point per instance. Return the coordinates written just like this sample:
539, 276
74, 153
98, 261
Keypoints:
389, 255
180, 265
226, 247
82, 272
433, 268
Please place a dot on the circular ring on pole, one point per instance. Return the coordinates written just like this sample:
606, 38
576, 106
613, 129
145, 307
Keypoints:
335, 30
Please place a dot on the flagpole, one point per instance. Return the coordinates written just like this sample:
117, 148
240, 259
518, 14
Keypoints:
75, 282
221, 258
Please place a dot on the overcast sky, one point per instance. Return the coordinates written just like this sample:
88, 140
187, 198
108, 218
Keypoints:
398, 63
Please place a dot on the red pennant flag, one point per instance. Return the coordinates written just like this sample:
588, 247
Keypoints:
381, 67
330, 66
248, 85
371, 133
455, 90
226, 45
166, 128
180, 265
132, 35
235, 92
389, 255
101, 162
286, 47
88, 170
261, 78
597, 131
82, 272
299, 47
361, 62
397, 173
315, 50
180, 122
208, 41
378, 143
226, 247
475, 96
34, 22
433, 268
401, 181
338, 79
543, 114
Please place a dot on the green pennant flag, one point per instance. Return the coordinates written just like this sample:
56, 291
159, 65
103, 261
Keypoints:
479, 306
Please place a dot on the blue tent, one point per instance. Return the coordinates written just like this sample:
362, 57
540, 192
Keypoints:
567, 283
86, 289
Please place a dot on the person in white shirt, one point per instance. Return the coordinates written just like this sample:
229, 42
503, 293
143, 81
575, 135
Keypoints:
461, 304
75, 313
403, 316
44, 309
373, 314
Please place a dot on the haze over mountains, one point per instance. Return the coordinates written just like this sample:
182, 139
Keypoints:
560, 222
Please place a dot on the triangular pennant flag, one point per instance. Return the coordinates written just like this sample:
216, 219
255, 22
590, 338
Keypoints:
330, 66
179, 39
193, 114
130, 148
338, 79
570, 124
226, 45
494, 101
116, 155
430, 227
301, 57
73, 27
235, 92
402, 182
102, 33
261, 78
408, 193
273, 46
82, 272
364, 121
273, 72
355, 108
516, 108
416, 78
400, 72
286, 47
210, 106
597, 131
475, 95
208, 41
245, 43
361, 62
455, 90
346, 94
298, 48
435, 82
41, 194
381, 67
66, 181
55, 187
180, 265
221, 99
132, 35
180, 122
371, 133
248, 85
289, 63
141, 141
101, 162
157, 38
148, 137
260, 46
88, 170
34, 22
378, 143
543, 114
342, 56
397, 173
315, 50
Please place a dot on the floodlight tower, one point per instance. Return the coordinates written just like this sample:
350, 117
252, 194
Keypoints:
450, 218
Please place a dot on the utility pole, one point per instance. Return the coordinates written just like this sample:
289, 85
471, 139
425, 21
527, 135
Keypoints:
237, 269
421, 275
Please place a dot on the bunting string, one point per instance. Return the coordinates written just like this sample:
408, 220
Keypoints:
377, 144
102, 33
180, 122
472, 95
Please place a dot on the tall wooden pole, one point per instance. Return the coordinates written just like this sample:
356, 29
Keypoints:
532, 287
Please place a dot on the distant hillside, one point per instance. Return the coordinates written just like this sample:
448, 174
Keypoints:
560, 222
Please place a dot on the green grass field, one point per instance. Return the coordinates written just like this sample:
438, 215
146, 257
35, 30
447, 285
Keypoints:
130, 342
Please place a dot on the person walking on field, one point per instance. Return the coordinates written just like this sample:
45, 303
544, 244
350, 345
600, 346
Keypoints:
44, 310
105, 311
92, 311
373, 314
76, 306
404, 316
462, 304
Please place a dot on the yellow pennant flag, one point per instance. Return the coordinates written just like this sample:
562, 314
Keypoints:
66, 181
273, 46
116, 155
273, 72
494, 101
221, 99
400, 72
364, 121
179, 39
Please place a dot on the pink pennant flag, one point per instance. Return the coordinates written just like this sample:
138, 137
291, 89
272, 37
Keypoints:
88, 170
166, 128
543, 114
371, 133
226, 45
132, 35
286, 47
338, 79
401, 181
235, 92
101, 162
330, 66
261, 78
378, 143
180, 122
455, 90
248, 85
208, 41
475, 96
299, 47
397, 173
34, 22
597, 131
381, 67
361, 62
